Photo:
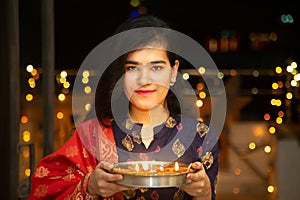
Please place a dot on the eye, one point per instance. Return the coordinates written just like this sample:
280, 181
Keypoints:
156, 68
131, 68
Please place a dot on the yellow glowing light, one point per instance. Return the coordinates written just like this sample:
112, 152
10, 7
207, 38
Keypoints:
289, 95
275, 86
252, 145
294, 83
267, 117
255, 73
29, 68
24, 119
60, 115
33, 72
278, 70
294, 72
199, 103
278, 102
220, 75
185, 76
297, 77
32, 85
289, 68
202, 95
66, 84
61, 97
254, 90
88, 107
31, 80
279, 120
135, 3
267, 149
63, 74
85, 80
29, 97
201, 70
87, 89
86, 73
270, 188
27, 172
237, 171
62, 80
273, 102
294, 65
26, 136
176, 167
272, 130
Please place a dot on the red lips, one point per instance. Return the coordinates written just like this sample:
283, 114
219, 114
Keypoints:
144, 92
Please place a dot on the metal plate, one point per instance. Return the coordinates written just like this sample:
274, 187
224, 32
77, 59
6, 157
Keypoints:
150, 174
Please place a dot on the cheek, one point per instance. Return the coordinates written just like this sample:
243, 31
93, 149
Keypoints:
128, 87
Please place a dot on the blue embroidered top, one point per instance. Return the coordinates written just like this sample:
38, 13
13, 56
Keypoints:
179, 139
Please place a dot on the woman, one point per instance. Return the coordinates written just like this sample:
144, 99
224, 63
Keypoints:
151, 127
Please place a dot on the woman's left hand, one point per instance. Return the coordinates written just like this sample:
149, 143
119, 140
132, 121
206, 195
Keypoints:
199, 187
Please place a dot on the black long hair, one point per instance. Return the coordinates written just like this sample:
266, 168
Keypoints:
114, 72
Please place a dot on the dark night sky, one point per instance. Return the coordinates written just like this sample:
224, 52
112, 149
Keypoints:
82, 25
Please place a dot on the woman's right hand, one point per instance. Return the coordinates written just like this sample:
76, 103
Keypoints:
102, 183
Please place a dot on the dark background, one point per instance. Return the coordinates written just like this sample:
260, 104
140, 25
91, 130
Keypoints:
81, 25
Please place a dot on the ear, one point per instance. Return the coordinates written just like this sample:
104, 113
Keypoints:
174, 71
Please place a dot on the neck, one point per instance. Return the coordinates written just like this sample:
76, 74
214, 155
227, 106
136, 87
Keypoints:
151, 117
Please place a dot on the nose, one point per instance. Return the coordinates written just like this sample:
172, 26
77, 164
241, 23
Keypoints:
144, 77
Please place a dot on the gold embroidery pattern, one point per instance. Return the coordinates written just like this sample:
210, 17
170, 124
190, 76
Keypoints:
72, 151
178, 148
179, 194
41, 191
202, 129
170, 122
143, 190
129, 193
89, 168
41, 172
137, 137
70, 175
207, 160
85, 155
127, 143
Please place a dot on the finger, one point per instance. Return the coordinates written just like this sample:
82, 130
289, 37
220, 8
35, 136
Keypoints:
105, 165
198, 175
111, 177
197, 166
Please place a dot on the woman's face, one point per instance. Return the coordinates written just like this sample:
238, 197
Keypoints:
147, 78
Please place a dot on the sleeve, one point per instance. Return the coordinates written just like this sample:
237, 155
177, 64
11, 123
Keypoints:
209, 158
210, 161
64, 173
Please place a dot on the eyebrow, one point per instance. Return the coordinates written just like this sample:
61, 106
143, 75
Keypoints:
138, 63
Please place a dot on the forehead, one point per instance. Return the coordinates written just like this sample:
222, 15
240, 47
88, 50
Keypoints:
147, 54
